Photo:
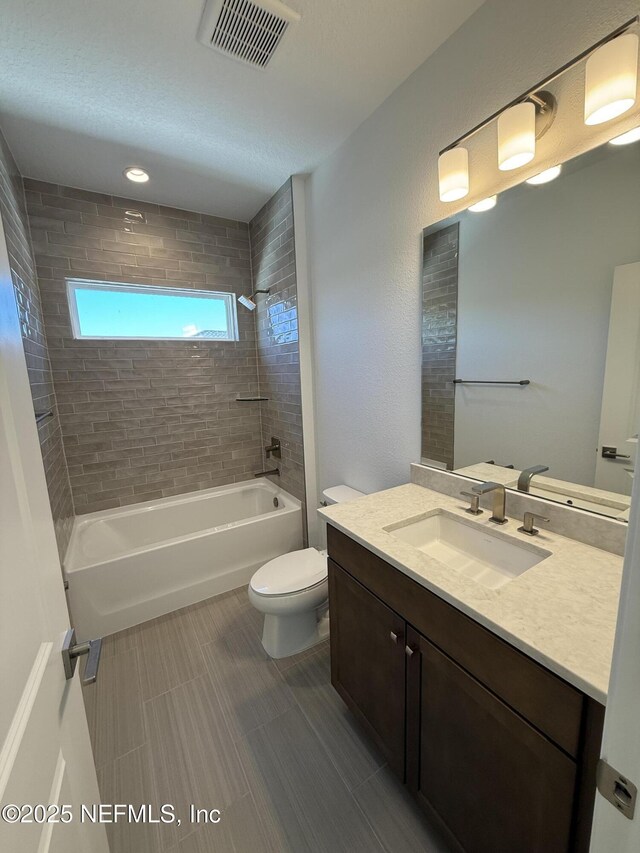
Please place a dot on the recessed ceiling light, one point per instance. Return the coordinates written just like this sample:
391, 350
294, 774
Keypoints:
546, 176
485, 204
136, 174
627, 138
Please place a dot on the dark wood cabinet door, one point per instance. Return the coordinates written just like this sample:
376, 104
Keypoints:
497, 784
368, 662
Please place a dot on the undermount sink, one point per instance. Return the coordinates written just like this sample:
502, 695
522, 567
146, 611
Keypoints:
468, 548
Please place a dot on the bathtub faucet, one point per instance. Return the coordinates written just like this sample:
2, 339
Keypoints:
274, 471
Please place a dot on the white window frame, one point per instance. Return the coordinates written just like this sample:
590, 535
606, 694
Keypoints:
74, 284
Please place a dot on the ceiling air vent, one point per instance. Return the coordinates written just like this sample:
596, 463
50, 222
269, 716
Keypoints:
246, 30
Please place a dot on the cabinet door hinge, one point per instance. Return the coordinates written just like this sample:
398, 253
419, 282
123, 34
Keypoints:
616, 788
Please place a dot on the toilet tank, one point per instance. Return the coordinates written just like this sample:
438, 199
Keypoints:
341, 494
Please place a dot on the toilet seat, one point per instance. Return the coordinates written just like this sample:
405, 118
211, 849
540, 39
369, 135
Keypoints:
290, 573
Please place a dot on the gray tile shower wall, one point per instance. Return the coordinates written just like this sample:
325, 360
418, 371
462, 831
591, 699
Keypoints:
16, 227
439, 338
143, 420
273, 267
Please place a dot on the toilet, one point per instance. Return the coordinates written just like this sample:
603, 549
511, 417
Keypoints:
293, 593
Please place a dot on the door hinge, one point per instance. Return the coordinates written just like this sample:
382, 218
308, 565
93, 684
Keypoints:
616, 788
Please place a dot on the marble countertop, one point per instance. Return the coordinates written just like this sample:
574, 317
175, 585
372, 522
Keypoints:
561, 612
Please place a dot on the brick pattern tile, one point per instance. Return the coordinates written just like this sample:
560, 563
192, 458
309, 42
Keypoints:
439, 339
273, 264
16, 228
143, 420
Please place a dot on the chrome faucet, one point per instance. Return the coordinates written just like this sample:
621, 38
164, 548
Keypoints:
499, 499
524, 480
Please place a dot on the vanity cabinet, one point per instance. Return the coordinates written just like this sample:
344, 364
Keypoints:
369, 664
500, 751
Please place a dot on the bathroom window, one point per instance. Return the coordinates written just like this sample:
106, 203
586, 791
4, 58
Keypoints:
101, 309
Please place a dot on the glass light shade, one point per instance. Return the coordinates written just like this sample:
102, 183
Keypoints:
485, 204
546, 176
453, 174
136, 174
516, 136
627, 138
611, 79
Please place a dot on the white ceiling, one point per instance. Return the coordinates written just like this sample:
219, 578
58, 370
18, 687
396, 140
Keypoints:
88, 87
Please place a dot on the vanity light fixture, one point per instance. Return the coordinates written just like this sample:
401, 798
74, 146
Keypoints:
485, 204
136, 174
544, 177
611, 79
517, 136
453, 174
626, 138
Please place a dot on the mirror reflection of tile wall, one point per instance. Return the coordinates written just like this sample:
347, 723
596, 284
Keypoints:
439, 331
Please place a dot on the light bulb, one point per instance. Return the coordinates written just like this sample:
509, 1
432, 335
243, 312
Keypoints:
485, 204
516, 136
611, 79
453, 174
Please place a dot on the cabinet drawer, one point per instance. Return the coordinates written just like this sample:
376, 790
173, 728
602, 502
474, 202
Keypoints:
549, 703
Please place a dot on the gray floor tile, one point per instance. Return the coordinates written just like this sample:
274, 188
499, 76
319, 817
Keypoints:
168, 653
288, 791
114, 708
240, 831
351, 751
286, 663
129, 779
250, 689
219, 616
120, 642
298, 789
194, 759
396, 819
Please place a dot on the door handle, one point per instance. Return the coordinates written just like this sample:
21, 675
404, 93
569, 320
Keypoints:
71, 651
409, 651
612, 453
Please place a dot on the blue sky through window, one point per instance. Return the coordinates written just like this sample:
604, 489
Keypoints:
129, 313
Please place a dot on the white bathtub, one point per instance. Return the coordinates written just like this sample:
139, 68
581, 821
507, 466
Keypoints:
125, 566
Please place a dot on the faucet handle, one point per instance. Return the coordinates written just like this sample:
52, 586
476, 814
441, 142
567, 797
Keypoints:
527, 523
483, 488
474, 507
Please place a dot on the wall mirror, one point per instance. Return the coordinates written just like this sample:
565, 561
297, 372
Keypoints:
531, 336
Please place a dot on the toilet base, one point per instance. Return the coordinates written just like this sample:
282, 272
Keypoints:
283, 636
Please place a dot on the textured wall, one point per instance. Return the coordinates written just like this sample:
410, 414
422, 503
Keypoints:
370, 200
273, 265
439, 334
16, 228
145, 419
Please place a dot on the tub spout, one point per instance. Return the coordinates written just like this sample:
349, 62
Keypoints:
274, 471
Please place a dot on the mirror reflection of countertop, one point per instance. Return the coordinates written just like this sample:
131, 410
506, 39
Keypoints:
612, 504
561, 612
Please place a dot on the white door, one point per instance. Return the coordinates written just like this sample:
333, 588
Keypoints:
45, 752
619, 416
612, 831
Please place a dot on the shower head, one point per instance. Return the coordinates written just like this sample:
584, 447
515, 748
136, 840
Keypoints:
248, 301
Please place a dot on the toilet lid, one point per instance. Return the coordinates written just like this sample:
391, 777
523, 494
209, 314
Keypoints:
290, 573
